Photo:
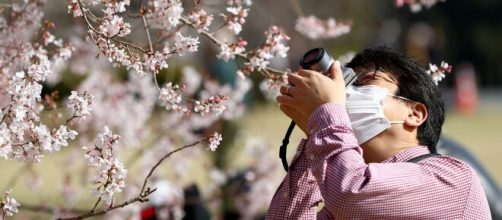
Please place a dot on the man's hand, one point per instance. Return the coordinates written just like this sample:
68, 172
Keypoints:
308, 90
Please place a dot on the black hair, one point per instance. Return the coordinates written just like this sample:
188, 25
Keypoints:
413, 83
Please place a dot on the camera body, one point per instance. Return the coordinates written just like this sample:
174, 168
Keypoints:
319, 60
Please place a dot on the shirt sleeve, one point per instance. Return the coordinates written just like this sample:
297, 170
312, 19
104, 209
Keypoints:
298, 195
351, 188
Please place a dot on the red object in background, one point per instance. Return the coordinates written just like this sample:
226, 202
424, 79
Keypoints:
148, 213
466, 90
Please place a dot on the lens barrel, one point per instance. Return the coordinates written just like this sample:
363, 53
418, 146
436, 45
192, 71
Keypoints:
317, 59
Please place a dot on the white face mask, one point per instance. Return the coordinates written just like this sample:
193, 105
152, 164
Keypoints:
366, 111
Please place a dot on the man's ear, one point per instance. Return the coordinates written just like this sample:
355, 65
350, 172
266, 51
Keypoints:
417, 115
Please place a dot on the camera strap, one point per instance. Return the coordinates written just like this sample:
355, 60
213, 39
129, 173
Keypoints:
422, 157
284, 147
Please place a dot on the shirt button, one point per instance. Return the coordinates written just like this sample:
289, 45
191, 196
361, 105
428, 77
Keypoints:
286, 195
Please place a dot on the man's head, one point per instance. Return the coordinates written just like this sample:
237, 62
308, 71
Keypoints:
424, 115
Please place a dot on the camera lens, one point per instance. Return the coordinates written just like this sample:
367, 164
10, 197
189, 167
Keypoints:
311, 57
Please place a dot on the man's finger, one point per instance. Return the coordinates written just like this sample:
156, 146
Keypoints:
336, 70
294, 91
295, 80
286, 90
285, 100
306, 73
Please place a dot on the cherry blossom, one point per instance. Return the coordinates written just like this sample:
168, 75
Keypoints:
166, 14
270, 87
61, 137
185, 44
439, 73
274, 46
115, 25
237, 15
315, 28
5, 141
116, 102
156, 62
80, 103
228, 52
74, 8
214, 141
417, 5
109, 172
25, 64
126, 100
171, 96
212, 104
200, 19
9, 205
113, 7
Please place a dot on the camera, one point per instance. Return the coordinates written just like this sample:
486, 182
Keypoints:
319, 60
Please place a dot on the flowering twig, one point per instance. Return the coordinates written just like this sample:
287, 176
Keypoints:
439, 73
145, 24
93, 29
241, 55
147, 191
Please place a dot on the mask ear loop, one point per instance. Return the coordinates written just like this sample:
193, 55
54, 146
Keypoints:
396, 122
402, 98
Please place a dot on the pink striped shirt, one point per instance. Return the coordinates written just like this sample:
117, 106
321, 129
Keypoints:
329, 168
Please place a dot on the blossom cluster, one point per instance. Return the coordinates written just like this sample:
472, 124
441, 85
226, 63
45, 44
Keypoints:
25, 64
212, 104
167, 18
270, 87
237, 14
315, 28
171, 97
80, 103
111, 28
116, 102
438, 73
417, 5
183, 44
109, 172
8, 205
165, 14
154, 62
114, 26
214, 141
274, 46
200, 19
112, 7
229, 51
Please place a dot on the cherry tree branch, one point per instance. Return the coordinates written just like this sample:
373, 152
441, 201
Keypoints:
147, 32
297, 7
144, 192
241, 55
93, 29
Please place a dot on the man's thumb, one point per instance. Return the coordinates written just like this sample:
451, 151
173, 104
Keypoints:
336, 70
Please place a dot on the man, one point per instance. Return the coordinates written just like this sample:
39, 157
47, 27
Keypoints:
355, 159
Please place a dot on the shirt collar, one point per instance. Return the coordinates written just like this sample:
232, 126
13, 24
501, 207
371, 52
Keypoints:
408, 154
